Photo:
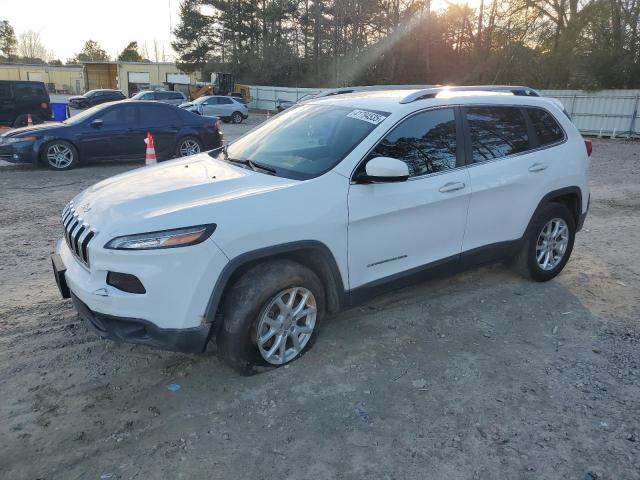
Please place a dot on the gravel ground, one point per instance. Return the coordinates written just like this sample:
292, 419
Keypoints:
478, 376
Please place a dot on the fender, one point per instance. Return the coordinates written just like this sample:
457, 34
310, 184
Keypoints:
269, 252
558, 193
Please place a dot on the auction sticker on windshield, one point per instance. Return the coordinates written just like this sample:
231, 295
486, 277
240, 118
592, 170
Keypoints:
367, 116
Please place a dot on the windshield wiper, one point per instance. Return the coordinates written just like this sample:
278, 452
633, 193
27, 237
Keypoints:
252, 165
247, 163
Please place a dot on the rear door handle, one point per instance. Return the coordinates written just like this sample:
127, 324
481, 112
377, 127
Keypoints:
452, 187
537, 167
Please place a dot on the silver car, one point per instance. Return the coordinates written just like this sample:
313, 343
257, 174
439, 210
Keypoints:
172, 98
229, 109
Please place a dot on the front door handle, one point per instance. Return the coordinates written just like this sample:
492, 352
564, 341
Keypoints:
452, 187
537, 167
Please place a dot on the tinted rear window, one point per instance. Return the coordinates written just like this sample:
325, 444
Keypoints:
28, 91
496, 132
546, 127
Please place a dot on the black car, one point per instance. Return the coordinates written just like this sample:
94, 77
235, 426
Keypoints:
112, 131
95, 97
19, 99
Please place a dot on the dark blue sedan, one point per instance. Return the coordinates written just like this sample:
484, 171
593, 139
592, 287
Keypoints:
112, 131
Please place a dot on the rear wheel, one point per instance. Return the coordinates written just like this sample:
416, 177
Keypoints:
548, 243
188, 146
236, 117
271, 316
23, 120
60, 155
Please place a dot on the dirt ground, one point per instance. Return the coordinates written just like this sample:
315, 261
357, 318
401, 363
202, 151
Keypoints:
479, 376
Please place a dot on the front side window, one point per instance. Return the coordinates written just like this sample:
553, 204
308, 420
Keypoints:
122, 115
426, 142
546, 127
307, 140
496, 132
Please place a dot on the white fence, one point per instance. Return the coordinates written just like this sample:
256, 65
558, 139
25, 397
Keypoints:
604, 112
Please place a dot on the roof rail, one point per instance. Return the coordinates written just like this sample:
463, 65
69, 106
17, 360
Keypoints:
432, 92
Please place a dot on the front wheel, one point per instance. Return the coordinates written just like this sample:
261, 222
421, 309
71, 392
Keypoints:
270, 316
60, 155
548, 243
188, 146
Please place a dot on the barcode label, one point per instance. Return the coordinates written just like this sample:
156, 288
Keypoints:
367, 116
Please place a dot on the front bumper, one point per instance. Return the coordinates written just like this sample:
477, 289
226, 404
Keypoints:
135, 330
169, 315
20, 152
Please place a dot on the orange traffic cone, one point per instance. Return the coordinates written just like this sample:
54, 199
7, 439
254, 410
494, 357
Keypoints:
29, 120
150, 157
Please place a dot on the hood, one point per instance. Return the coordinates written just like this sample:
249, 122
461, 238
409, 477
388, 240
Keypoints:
77, 97
172, 194
43, 128
187, 105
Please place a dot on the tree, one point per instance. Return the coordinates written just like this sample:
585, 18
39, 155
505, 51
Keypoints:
91, 52
31, 49
542, 43
130, 53
8, 40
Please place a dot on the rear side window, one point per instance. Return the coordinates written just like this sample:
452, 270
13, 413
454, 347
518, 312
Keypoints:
426, 142
224, 101
496, 132
29, 91
5, 90
158, 115
175, 96
546, 127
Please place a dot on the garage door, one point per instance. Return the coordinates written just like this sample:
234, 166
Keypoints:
139, 77
180, 78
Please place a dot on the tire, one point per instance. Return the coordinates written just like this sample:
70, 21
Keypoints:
23, 119
527, 263
251, 304
236, 117
67, 155
183, 149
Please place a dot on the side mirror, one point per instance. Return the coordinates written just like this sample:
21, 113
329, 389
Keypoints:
385, 169
97, 123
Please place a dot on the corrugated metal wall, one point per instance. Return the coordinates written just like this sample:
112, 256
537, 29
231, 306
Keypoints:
604, 112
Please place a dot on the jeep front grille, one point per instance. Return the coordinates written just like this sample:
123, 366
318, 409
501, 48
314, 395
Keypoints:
77, 233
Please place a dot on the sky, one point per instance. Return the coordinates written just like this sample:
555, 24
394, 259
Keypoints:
64, 25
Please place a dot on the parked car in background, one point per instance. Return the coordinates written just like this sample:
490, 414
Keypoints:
112, 131
282, 104
381, 189
229, 109
95, 97
19, 99
164, 96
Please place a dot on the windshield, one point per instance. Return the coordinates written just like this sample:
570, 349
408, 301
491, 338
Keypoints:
139, 95
201, 100
82, 116
307, 140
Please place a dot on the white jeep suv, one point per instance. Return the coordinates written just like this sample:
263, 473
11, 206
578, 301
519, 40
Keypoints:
317, 209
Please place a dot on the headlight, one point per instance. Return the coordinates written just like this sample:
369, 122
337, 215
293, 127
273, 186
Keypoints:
18, 139
179, 237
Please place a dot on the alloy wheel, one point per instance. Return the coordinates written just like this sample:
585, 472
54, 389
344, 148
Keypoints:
59, 156
286, 324
237, 118
189, 147
552, 244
